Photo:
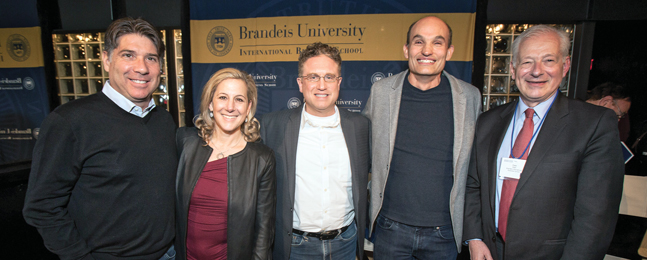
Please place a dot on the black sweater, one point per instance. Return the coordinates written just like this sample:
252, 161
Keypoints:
102, 181
420, 180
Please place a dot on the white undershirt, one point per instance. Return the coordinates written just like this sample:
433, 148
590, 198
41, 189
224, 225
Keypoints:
323, 197
124, 103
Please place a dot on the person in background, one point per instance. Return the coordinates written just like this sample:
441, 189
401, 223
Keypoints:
226, 184
102, 178
614, 97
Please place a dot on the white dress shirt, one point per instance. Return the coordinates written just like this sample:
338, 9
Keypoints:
504, 151
124, 103
323, 197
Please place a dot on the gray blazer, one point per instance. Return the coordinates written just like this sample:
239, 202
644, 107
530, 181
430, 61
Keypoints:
383, 107
280, 131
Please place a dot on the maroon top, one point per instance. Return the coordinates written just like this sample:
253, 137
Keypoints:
206, 236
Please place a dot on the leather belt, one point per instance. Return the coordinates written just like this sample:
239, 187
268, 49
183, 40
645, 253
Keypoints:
326, 235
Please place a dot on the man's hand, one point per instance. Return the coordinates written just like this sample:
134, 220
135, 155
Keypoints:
479, 251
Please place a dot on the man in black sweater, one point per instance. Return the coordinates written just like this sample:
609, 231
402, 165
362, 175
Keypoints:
102, 179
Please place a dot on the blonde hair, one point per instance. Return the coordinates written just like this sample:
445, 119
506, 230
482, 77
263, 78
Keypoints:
206, 124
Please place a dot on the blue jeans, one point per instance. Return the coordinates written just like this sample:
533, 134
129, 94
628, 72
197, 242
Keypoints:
170, 254
342, 247
394, 241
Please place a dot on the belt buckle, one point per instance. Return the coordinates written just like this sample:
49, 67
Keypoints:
329, 233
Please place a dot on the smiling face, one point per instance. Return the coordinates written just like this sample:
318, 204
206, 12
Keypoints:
428, 49
134, 68
320, 96
230, 105
540, 68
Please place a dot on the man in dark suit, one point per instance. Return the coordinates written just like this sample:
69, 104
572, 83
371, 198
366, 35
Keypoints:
546, 172
322, 162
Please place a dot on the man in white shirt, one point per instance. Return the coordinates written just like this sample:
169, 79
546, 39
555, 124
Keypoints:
322, 162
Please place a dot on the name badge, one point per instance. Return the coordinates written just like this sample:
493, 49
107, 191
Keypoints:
511, 168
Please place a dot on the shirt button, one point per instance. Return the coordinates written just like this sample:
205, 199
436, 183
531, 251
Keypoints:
324, 147
325, 167
325, 189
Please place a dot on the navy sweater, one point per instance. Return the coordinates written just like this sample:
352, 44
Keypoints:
420, 178
102, 181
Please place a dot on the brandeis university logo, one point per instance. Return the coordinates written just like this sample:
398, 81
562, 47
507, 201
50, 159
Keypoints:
18, 47
220, 41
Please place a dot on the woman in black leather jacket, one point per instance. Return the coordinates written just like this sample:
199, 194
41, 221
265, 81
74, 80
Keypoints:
226, 185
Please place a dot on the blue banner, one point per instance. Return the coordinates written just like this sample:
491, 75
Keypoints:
23, 92
265, 39
211, 10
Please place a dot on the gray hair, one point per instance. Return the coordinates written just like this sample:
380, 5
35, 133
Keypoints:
564, 40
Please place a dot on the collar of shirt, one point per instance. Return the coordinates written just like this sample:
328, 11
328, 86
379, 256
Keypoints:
124, 103
315, 121
540, 111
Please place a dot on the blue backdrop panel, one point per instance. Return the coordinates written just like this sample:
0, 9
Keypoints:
276, 80
23, 93
22, 111
209, 10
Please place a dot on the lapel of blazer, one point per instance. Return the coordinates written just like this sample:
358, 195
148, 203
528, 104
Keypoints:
459, 107
552, 127
496, 138
197, 156
348, 129
291, 139
395, 96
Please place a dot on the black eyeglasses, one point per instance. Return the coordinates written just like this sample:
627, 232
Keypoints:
620, 114
315, 78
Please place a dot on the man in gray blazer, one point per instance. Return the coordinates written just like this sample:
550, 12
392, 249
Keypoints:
422, 123
322, 162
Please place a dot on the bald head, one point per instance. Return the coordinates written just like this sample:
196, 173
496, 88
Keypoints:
431, 21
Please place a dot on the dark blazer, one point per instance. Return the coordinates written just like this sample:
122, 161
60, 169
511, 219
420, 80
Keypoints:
566, 203
251, 196
280, 131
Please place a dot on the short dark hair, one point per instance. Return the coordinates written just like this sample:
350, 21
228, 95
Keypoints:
608, 89
414, 23
128, 25
317, 49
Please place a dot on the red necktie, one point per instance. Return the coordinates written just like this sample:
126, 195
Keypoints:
510, 185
